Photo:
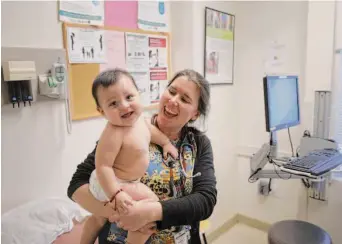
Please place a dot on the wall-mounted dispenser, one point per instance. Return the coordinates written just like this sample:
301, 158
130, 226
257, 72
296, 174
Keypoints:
18, 76
53, 84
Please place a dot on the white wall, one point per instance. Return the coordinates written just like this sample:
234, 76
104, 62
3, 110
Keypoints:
328, 214
30, 24
258, 23
188, 52
38, 157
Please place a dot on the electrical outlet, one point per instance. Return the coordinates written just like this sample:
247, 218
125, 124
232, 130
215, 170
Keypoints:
263, 187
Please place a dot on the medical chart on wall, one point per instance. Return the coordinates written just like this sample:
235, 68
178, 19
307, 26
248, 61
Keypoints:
82, 12
86, 45
142, 80
136, 52
158, 65
275, 57
152, 16
146, 59
219, 47
115, 50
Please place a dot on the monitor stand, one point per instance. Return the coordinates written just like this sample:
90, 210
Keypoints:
268, 154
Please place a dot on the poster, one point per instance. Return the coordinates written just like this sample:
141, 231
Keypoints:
219, 47
142, 80
137, 52
86, 45
158, 65
147, 60
82, 12
157, 87
152, 16
115, 50
275, 57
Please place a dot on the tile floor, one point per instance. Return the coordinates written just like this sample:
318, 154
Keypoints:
242, 234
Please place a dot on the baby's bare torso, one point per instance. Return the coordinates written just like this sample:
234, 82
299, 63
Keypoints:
133, 158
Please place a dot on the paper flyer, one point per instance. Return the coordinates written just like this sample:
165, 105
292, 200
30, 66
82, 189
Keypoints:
152, 16
219, 47
137, 52
82, 12
142, 80
146, 59
115, 50
158, 66
86, 45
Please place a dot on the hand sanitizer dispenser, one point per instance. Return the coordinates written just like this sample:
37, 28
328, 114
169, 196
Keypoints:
53, 85
18, 76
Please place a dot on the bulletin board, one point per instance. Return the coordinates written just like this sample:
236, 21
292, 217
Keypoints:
81, 75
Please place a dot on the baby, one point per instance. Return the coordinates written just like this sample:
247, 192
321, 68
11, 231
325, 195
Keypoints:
122, 154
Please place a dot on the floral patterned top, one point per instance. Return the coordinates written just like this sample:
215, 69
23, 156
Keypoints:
167, 180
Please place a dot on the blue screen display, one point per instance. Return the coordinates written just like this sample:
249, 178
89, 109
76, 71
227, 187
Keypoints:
283, 107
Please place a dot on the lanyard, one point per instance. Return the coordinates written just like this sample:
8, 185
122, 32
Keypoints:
170, 163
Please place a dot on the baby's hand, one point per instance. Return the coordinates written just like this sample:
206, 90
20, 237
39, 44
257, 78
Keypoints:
123, 201
169, 148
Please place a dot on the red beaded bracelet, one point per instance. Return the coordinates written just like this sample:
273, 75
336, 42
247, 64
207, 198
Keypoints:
113, 197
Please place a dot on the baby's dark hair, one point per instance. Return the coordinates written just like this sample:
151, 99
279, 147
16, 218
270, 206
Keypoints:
107, 78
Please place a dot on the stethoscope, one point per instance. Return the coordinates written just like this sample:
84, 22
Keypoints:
169, 162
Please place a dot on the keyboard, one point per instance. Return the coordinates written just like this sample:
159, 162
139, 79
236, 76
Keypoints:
317, 162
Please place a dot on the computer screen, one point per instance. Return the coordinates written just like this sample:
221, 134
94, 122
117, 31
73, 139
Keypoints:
281, 102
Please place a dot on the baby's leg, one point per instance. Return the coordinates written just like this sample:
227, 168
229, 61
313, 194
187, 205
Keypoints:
93, 224
139, 192
91, 228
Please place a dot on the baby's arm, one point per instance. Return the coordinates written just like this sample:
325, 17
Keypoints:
107, 150
162, 140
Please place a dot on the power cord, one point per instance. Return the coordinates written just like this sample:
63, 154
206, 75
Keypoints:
251, 176
269, 185
275, 170
305, 182
288, 130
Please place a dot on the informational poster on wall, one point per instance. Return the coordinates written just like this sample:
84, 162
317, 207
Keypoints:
86, 45
275, 57
137, 52
82, 12
158, 65
142, 80
115, 50
147, 60
152, 16
219, 47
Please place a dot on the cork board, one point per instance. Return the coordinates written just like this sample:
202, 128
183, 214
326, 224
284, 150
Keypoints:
81, 76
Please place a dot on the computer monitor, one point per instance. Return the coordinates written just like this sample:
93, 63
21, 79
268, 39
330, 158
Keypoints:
281, 102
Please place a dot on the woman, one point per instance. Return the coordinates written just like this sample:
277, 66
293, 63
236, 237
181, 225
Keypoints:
186, 187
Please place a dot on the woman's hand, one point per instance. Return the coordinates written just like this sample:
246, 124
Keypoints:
140, 214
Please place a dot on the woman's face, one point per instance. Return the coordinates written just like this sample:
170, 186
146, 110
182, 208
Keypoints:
179, 103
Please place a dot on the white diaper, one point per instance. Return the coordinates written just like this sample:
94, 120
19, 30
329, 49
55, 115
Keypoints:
97, 190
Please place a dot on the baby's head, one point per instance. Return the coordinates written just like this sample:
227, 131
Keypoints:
117, 97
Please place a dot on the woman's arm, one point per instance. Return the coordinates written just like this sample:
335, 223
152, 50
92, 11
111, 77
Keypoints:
78, 189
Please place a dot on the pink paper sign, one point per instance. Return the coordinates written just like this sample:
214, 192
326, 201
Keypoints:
123, 14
